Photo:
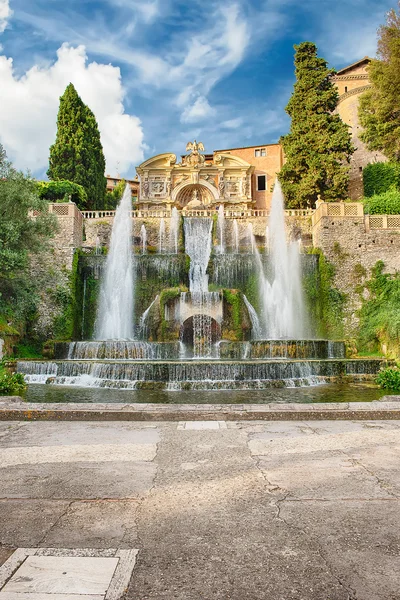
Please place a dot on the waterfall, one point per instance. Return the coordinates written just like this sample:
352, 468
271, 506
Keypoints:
143, 236
281, 300
250, 235
143, 318
198, 241
198, 248
98, 245
235, 240
174, 230
115, 312
221, 229
161, 237
256, 332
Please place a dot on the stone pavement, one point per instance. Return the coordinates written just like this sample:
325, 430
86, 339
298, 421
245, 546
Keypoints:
299, 510
14, 408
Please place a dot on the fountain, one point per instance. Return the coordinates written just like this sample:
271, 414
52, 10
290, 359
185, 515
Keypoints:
221, 229
116, 304
161, 237
174, 230
280, 293
204, 319
143, 237
235, 244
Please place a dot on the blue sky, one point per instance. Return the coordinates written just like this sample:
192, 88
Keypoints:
158, 73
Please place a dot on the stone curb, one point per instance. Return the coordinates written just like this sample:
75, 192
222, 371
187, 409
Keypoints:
15, 409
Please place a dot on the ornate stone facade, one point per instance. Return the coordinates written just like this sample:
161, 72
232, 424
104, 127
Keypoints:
198, 181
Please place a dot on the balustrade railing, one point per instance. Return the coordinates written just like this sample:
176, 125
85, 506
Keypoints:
247, 213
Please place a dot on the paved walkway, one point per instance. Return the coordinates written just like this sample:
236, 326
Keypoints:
306, 510
14, 408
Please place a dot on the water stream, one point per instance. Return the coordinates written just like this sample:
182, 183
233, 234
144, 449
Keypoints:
116, 301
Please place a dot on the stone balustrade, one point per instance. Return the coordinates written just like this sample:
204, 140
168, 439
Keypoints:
352, 210
231, 213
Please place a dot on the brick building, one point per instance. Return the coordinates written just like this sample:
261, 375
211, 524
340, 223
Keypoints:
351, 82
267, 161
112, 182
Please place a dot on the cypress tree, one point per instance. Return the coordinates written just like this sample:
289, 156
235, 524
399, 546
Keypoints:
77, 154
379, 108
318, 147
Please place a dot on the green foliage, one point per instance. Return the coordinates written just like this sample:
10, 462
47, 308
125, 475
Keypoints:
77, 154
234, 299
379, 314
28, 351
63, 191
113, 197
387, 203
326, 303
318, 147
379, 108
11, 383
21, 237
389, 379
380, 177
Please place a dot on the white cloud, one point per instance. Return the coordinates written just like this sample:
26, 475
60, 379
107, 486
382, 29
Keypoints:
232, 123
198, 111
29, 107
5, 14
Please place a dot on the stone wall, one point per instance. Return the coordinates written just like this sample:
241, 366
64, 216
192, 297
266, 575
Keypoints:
70, 232
100, 229
353, 247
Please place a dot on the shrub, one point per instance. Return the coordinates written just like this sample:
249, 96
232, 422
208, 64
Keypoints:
11, 383
380, 177
389, 379
379, 314
387, 203
62, 191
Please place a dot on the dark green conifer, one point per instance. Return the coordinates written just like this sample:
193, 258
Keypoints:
77, 154
318, 148
379, 108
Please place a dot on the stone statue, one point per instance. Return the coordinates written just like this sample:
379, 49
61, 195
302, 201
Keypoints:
146, 188
194, 159
221, 187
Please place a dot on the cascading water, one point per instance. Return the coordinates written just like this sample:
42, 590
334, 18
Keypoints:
174, 230
143, 318
143, 238
198, 248
256, 331
250, 236
282, 313
161, 237
221, 229
198, 241
116, 302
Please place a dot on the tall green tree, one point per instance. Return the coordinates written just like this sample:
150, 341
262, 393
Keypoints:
379, 108
25, 229
318, 148
77, 154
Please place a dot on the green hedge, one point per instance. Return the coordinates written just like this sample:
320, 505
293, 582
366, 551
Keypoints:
387, 203
62, 191
380, 177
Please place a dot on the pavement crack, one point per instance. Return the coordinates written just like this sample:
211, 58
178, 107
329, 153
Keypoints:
384, 485
64, 512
